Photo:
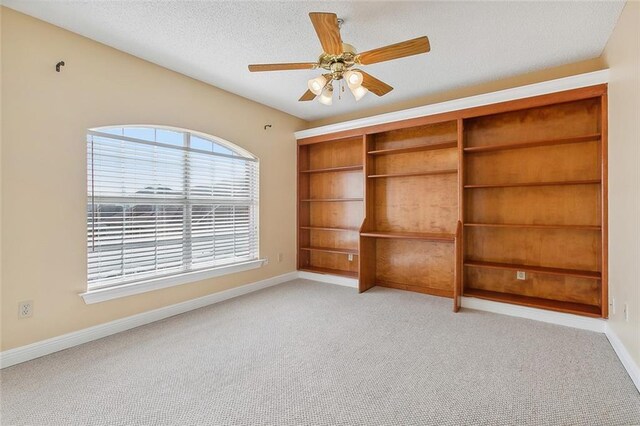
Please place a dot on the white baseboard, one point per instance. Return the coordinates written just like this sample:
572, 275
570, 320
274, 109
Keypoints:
327, 278
55, 344
559, 318
624, 355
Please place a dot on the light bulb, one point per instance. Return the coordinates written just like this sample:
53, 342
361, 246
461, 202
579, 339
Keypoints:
354, 79
317, 84
326, 98
359, 92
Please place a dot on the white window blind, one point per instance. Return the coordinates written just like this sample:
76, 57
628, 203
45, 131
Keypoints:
163, 202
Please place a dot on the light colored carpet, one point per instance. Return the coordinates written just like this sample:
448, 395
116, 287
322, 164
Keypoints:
312, 353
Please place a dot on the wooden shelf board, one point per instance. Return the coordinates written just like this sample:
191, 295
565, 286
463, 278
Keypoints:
535, 302
545, 142
326, 228
329, 200
428, 173
418, 289
536, 269
339, 272
331, 250
410, 235
522, 184
415, 148
334, 169
535, 226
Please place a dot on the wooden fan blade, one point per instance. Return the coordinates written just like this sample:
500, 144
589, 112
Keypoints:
308, 96
374, 85
395, 51
326, 26
282, 67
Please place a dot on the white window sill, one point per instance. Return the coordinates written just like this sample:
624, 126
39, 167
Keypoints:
108, 293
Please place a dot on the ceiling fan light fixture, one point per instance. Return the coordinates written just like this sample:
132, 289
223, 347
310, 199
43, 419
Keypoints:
326, 97
338, 59
359, 92
317, 84
354, 79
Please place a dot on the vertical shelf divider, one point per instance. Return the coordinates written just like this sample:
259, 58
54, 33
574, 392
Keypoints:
459, 289
304, 209
458, 271
604, 212
367, 275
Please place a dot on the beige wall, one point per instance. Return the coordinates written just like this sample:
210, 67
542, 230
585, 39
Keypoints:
45, 115
462, 92
622, 56
1, 269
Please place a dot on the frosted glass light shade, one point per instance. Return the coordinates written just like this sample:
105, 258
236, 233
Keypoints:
354, 79
326, 98
317, 84
359, 92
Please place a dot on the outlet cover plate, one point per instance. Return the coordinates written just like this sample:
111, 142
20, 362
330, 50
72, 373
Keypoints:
25, 309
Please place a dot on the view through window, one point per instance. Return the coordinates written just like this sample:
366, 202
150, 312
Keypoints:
163, 202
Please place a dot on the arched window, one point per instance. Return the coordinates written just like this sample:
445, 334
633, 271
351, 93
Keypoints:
166, 202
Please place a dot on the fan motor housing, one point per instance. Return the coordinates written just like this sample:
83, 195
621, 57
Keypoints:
338, 64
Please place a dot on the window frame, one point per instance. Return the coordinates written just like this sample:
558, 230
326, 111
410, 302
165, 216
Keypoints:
108, 291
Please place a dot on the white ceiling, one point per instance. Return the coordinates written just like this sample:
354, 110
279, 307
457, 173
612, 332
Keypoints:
214, 41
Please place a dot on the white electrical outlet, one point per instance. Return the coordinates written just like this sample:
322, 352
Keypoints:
350, 257
25, 309
613, 306
626, 312
521, 275
280, 257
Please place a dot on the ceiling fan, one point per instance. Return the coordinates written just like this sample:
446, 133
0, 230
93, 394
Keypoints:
341, 60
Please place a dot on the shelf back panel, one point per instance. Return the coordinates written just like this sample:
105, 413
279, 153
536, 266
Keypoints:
570, 119
553, 205
347, 152
345, 240
336, 215
553, 248
336, 261
416, 204
415, 263
420, 161
570, 162
414, 136
552, 287
336, 185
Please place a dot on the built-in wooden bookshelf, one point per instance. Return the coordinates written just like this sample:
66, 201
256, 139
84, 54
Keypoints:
330, 209
411, 214
466, 202
533, 179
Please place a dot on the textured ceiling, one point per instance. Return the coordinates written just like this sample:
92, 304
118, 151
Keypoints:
214, 41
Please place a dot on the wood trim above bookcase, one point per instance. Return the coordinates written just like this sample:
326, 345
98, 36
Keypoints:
476, 177
590, 79
536, 101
